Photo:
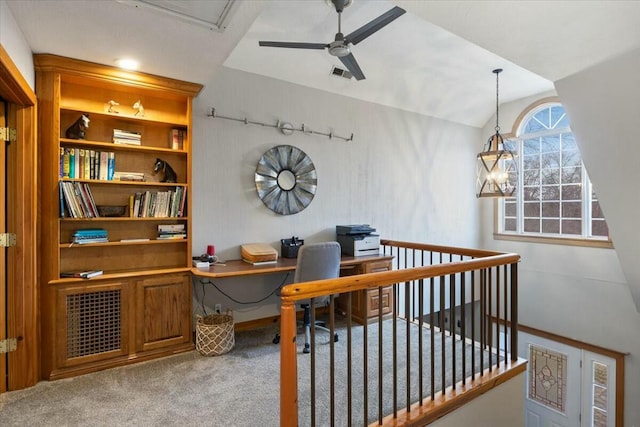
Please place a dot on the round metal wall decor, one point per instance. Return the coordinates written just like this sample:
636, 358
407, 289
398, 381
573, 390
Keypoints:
286, 179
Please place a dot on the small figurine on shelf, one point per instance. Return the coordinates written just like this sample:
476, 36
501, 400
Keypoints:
112, 104
139, 109
78, 129
167, 170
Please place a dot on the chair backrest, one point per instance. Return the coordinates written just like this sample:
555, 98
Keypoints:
317, 261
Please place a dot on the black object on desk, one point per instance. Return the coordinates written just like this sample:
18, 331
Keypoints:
289, 247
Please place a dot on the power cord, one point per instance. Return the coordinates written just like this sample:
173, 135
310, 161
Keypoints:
208, 281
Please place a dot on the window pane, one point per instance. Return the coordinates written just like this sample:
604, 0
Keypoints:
535, 125
550, 192
571, 175
531, 146
511, 144
599, 228
550, 176
532, 209
531, 193
572, 210
571, 158
600, 397
558, 117
600, 374
599, 418
596, 212
510, 224
531, 162
569, 142
572, 192
551, 226
532, 225
550, 144
510, 209
550, 160
551, 209
570, 226
531, 177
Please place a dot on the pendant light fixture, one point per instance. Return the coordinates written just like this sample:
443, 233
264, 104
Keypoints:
497, 174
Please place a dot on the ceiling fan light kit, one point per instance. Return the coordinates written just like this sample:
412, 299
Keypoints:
340, 47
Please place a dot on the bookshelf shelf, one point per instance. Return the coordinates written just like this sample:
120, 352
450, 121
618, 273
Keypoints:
144, 293
110, 146
70, 245
121, 117
125, 219
131, 183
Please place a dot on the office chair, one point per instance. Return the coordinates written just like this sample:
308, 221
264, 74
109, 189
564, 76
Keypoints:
316, 261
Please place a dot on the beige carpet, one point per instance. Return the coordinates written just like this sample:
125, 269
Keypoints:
240, 388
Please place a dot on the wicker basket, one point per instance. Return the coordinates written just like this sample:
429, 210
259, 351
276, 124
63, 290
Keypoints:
214, 334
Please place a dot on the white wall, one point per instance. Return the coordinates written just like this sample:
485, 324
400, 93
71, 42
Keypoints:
13, 41
482, 412
409, 176
577, 292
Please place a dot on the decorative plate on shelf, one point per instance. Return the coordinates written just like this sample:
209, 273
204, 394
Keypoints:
286, 179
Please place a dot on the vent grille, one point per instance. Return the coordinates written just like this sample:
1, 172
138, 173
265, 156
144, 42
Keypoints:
341, 72
93, 323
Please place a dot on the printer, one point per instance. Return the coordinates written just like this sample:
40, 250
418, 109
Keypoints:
358, 239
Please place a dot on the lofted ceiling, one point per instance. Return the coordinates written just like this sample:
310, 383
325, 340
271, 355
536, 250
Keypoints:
434, 60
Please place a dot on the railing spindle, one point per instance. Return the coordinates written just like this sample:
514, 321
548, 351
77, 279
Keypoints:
349, 361
442, 335
432, 329
380, 357
312, 321
514, 312
452, 325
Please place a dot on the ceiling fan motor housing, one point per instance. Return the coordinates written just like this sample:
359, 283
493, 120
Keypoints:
338, 47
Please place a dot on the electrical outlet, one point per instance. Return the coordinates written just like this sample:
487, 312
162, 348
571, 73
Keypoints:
217, 308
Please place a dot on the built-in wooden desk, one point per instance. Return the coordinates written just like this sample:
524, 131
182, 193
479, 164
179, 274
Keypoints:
364, 304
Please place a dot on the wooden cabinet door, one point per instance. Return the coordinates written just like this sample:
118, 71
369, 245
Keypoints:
163, 314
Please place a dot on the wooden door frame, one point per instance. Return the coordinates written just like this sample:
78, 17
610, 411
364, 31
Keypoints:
22, 207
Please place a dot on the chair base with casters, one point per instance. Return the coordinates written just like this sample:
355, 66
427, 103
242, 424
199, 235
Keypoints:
316, 261
319, 324
306, 323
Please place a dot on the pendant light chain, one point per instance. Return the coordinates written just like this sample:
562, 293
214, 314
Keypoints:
497, 128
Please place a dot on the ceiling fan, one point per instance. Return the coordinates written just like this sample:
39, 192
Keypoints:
340, 46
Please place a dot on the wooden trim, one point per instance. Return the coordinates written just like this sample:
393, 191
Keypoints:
616, 355
566, 241
438, 248
22, 290
13, 87
455, 398
75, 67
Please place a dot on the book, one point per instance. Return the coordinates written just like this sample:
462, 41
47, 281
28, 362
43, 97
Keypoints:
103, 165
111, 165
134, 240
82, 274
260, 262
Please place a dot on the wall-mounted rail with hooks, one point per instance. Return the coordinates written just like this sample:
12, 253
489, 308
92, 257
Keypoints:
284, 127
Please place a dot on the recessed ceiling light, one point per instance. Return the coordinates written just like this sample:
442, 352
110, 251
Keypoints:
127, 63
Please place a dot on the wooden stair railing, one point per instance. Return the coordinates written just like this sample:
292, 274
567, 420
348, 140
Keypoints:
421, 266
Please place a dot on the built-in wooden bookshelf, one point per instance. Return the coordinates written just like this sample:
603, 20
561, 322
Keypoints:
141, 306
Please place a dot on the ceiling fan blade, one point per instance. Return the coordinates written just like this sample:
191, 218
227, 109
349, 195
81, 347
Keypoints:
367, 29
349, 61
294, 45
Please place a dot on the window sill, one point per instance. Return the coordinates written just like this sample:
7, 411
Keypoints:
566, 241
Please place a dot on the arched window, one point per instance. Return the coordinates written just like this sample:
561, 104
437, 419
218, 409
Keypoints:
554, 196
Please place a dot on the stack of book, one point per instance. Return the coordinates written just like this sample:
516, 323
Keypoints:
177, 139
90, 235
158, 204
128, 176
80, 163
126, 137
259, 253
171, 231
77, 201
82, 274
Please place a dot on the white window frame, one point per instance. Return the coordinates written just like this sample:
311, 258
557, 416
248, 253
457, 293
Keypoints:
585, 238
